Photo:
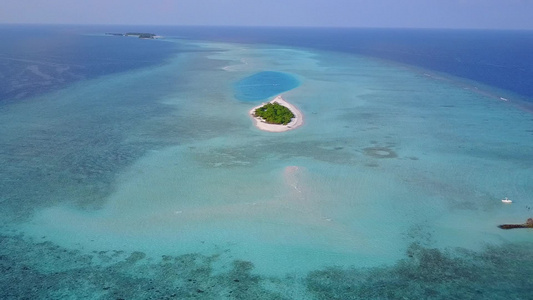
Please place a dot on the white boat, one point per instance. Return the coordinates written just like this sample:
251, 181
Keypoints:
507, 200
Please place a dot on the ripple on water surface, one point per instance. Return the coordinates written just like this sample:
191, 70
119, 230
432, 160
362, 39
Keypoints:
263, 85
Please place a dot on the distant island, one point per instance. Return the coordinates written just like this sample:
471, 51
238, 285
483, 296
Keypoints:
141, 35
276, 116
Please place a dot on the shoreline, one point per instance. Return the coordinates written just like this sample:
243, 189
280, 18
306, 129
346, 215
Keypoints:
296, 122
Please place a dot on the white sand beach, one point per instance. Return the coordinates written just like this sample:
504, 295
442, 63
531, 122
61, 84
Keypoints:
296, 122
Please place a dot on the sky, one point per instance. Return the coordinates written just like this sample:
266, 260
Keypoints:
477, 14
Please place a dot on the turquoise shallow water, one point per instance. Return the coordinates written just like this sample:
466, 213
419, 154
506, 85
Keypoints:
390, 189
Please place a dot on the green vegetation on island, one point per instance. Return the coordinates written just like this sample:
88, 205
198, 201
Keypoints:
274, 113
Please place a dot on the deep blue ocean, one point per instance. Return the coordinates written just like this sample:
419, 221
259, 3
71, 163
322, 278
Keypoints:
64, 54
38, 59
498, 58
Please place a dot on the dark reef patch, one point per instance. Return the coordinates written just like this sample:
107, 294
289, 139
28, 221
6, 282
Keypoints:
496, 273
46, 271
31, 270
372, 165
380, 152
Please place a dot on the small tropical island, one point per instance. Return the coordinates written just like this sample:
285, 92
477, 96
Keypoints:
277, 115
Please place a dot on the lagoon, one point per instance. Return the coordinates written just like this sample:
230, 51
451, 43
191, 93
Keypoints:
263, 85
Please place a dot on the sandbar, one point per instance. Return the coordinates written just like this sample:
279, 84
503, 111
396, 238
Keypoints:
296, 122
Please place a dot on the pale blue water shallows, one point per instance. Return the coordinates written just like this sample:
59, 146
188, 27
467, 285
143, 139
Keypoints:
131, 169
263, 85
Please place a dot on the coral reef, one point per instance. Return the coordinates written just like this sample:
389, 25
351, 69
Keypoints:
63, 274
496, 273
42, 270
380, 152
